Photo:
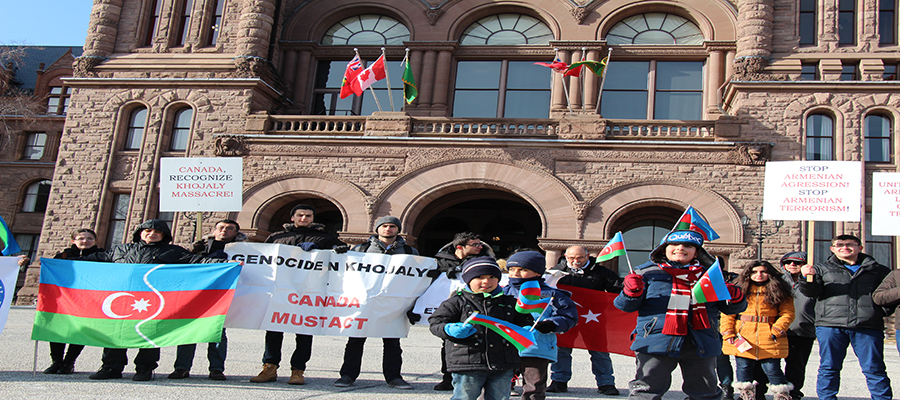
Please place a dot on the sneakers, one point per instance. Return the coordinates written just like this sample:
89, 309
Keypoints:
217, 375
558, 387
105, 373
296, 377
269, 373
609, 390
345, 381
180, 374
53, 368
399, 383
143, 376
66, 368
444, 386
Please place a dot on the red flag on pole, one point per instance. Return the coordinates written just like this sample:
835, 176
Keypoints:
350, 85
601, 326
372, 74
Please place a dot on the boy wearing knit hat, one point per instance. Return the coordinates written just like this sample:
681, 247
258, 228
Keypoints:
478, 358
530, 265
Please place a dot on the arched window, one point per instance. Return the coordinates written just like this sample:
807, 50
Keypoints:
184, 22
181, 129
367, 29
137, 121
878, 138
819, 137
654, 28
642, 237
215, 24
507, 30
36, 197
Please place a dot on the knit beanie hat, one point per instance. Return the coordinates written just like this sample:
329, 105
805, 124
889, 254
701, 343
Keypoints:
531, 260
387, 219
478, 266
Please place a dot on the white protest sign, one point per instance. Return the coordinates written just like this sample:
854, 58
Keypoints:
286, 289
813, 191
201, 184
886, 203
9, 272
441, 289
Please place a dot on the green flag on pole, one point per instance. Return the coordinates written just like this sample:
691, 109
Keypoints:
409, 84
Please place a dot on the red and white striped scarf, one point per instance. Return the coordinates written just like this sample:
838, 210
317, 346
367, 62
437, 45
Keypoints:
680, 303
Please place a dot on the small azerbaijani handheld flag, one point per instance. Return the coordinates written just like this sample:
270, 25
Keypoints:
691, 220
530, 301
711, 286
10, 246
132, 306
520, 337
613, 249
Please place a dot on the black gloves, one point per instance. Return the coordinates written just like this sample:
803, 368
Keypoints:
413, 317
341, 248
545, 326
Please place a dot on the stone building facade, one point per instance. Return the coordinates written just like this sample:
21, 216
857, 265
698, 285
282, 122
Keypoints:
699, 95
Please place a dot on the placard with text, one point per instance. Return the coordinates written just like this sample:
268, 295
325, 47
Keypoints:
813, 191
200, 184
886, 203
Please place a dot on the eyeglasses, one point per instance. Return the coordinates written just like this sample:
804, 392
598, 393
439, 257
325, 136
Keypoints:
476, 245
849, 245
793, 262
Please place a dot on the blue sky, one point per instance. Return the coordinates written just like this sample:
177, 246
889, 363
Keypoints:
44, 22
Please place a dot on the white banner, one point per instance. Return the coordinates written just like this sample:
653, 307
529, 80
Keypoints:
201, 184
813, 191
440, 290
886, 203
9, 274
283, 288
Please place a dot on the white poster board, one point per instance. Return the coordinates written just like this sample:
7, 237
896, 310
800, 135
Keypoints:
886, 203
201, 184
813, 191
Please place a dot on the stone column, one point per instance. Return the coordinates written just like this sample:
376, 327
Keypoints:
575, 83
289, 67
301, 95
558, 90
442, 84
415, 63
426, 87
101, 36
591, 83
754, 44
255, 27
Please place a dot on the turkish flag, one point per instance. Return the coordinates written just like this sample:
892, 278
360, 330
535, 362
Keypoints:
601, 326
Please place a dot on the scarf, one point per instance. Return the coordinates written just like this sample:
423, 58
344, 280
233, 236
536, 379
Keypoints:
681, 305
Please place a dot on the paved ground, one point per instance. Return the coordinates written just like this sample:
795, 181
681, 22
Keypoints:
421, 366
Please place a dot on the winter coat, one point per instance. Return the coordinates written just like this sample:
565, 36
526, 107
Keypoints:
759, 333
562, 312
485, 350
314, 233
139, 252
73, 252
209, 245
888, 294
373, 245
844, 299
447, 261
804, 324
652, 306
593, 276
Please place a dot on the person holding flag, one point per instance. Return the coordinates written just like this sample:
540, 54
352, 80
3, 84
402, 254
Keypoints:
526, 268
672, 329
478, 358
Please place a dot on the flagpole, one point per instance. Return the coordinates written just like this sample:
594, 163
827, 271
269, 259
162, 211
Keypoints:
603, 79
370, 87
388, 76
34, 363
538, 319
404, 63
583, 55
630, 268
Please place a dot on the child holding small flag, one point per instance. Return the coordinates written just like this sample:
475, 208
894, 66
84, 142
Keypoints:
525, 269
673, 329
758, 335
479, 358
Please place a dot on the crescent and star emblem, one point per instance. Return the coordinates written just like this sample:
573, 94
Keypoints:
138, 305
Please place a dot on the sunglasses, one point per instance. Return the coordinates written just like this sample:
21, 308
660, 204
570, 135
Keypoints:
792, 262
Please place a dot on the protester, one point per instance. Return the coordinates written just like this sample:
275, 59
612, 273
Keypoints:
562, 315
753, 335
846, 314
479, 359
304, 233
580, 270
802, 333
888, 295
150, 244
672, 331
225, 231
385, 241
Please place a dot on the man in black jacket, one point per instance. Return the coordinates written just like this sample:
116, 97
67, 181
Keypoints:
580, 270
846, 314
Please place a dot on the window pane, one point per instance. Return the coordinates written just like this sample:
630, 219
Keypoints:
808, 72
36, 197
679, 75
478, 75
28, 244
627, 75
878, 139
475, 103
507, 29
678, 105
135, 134
526, 75
527, 104
624, 105
181, 129
823, 234
117, 220
819, 137
34, 146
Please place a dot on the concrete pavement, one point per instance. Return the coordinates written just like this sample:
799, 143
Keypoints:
421, 368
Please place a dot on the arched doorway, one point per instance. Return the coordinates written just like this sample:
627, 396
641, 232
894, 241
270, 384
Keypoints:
326, 214
503, 220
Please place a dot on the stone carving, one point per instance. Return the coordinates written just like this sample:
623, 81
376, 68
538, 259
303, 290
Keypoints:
124, 168
248, 66
433, 14
752, 68
751, 154
230, 146
371, 204
581, 209
84, 65
579, 14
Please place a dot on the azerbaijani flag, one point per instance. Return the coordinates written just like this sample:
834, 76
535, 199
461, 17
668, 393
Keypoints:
613, 249
520, 337
691, 220
10, 246
530, 300
711, 286
132, 305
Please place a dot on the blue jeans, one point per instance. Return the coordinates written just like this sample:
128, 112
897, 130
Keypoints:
467, 385
743, 370
868, 344
601, 366
723, 369
215, 353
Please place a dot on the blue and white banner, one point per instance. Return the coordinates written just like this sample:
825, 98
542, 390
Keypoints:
9, 273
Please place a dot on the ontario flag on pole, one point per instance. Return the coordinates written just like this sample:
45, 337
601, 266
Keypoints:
601, 326
349, 85
132, 305
691, 220
711, 286
520, 337
613, 249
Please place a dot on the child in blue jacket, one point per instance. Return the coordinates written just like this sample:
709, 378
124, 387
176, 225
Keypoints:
562, 315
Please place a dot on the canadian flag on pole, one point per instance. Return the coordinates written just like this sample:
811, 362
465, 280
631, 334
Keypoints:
372, 74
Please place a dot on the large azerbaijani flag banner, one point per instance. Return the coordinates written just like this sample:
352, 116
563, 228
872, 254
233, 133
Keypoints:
9, 273
133, 305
